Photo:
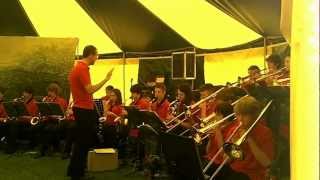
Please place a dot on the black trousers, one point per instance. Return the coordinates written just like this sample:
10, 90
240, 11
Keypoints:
84, 135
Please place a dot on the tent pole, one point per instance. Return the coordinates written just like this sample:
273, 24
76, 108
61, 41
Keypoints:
124, 74
265, 51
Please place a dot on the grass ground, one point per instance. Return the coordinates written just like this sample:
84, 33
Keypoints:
22, 166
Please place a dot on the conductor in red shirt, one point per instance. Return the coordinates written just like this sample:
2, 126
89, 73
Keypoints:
83, 108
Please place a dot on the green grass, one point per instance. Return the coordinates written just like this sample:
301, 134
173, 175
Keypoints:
25, 167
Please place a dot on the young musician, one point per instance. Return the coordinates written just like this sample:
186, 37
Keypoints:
83, 108
49, 130
137, 99
161, 103
274, 64
206, 108
216, 138
108, 92
54, 96
22, 127
184, 98
258, 147
3, 116
3, 113
112, 111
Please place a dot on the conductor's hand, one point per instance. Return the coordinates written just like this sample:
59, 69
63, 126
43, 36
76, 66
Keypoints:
108, 77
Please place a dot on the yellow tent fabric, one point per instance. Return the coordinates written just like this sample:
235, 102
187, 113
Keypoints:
65, 18
99, 70
220, 68
200, 23
305, 90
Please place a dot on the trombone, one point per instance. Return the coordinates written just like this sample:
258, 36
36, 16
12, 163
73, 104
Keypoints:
233, 150
188, 111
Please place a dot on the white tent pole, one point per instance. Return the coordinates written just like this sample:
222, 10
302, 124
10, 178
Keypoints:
265, 52
124, 75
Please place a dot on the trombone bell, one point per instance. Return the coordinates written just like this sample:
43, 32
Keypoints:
233, 151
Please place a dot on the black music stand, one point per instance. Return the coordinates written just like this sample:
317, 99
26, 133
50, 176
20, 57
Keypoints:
134, 116
49, 109
182, 157
15, 109
152, 118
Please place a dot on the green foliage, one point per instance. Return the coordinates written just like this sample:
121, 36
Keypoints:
38, 68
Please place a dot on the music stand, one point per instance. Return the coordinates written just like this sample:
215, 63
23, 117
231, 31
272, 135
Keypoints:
182, 157
15, 109
49, 109
152, 118
134, 116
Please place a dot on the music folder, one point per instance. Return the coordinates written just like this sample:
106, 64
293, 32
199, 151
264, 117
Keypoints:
15, 109
134, 116
152, 118
49, 109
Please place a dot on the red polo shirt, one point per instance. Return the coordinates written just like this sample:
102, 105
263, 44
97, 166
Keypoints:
142, 104
79, 78
250, 166
3, 113
162, 109
32, 107
116, 109
59, 100
214, 147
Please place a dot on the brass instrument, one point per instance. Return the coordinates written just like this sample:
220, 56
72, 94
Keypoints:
189, 111
233, 150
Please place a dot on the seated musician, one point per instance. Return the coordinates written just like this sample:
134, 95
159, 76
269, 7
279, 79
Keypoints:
3, 113
258, 147
161, 103
108, 90
184, 98
284, 78
3, 116
112, 111
274, 64
215, 142
137, 99
254, 73
53, 96
49, 131
23, 127
207, 107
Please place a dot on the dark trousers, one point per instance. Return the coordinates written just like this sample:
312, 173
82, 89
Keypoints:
66, 131
48, 135
20, 130
84, 134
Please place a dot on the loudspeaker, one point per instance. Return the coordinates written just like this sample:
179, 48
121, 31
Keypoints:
183, 65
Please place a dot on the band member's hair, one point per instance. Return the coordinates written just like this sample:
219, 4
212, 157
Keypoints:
275, 59
53, 87
253, 67
161, 86
117, 92
207, 87
137, 88
230, 94
28, 90
224, 109
185, 88
248, 106
109, 88
89, 50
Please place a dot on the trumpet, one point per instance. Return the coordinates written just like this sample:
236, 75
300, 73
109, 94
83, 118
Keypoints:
233, 150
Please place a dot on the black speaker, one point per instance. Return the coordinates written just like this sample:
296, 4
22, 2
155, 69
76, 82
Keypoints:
183, 65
